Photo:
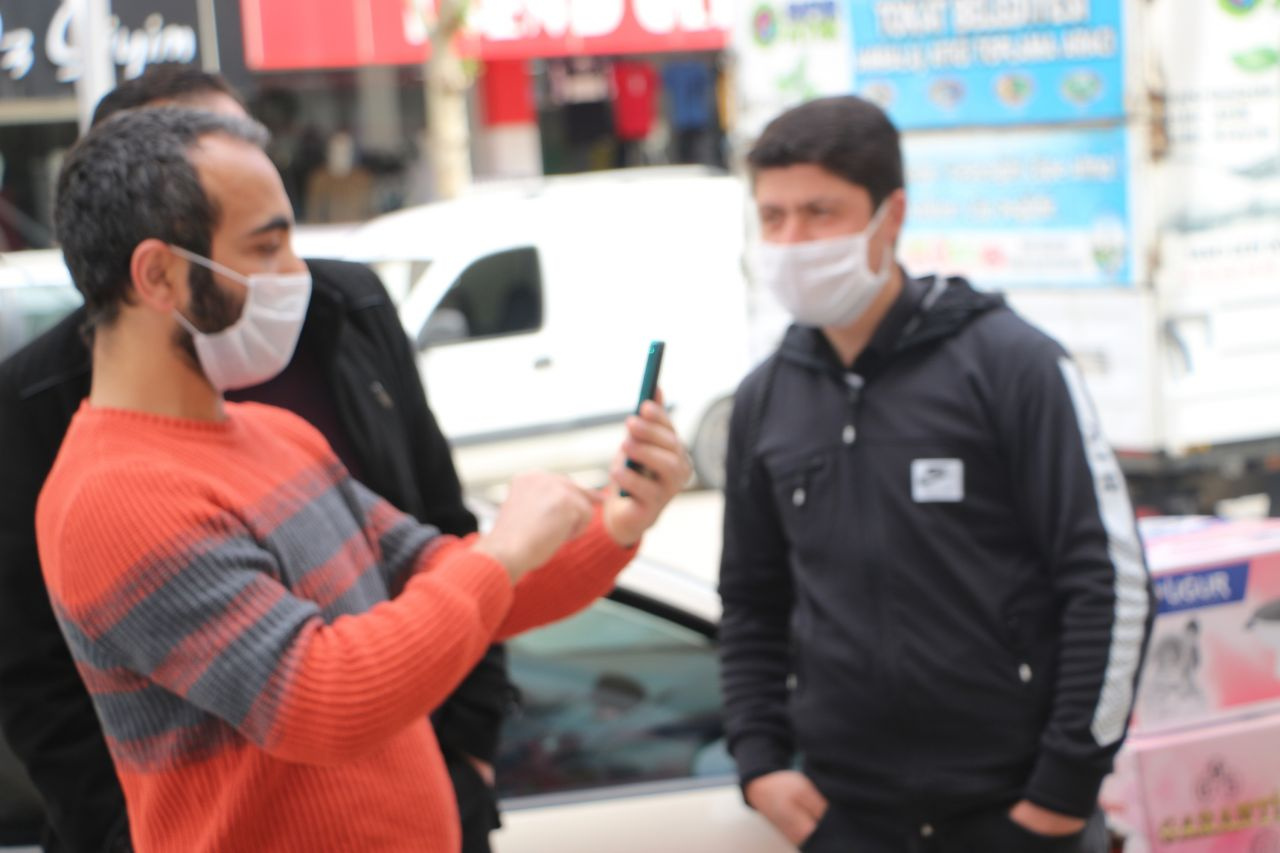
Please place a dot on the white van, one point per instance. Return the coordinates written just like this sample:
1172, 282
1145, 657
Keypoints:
532, 307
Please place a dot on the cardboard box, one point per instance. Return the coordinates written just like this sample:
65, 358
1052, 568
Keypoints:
1215, 648
1211, 789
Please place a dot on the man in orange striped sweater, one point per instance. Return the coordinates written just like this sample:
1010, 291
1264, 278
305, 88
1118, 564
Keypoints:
264, 637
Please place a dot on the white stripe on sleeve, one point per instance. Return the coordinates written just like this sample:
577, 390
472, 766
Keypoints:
1125, 550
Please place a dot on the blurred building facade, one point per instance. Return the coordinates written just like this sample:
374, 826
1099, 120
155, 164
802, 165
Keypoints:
557, 87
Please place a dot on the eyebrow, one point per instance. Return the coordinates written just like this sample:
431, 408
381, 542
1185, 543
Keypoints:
278, 223
829, 201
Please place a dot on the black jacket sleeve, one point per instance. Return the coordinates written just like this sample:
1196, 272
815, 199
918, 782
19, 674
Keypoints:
434, 472
46, 714
755, 589
1076, 509
471, 719
419, 477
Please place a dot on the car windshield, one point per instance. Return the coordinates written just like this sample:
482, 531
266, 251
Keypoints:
399, 276
613, 696
27, 311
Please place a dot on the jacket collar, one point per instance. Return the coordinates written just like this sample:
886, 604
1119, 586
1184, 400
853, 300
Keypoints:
325, 314
928, 310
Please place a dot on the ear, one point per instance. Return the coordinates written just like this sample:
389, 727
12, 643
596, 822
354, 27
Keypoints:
158, 276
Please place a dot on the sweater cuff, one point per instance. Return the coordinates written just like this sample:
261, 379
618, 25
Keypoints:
1064, 786
598, 538
759, 755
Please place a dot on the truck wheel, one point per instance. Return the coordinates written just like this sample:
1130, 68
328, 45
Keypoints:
710, 444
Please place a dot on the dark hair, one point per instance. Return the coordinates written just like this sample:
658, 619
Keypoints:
128, 180
848, 136
162, 83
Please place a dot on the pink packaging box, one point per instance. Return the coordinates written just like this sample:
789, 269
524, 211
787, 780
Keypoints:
1215, 648
1212, 789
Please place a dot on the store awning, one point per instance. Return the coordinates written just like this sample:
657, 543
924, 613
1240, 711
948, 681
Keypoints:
281, 35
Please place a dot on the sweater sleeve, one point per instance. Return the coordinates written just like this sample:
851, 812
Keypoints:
363, 678
755, 588
1076, 509
204, 615
453, 606
399, 536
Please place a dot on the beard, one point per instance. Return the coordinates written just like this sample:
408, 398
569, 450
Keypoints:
212, 310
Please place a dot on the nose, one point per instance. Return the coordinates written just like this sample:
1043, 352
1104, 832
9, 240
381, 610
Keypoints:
293, 263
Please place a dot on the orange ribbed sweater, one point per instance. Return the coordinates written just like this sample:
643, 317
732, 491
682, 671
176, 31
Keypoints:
264, 638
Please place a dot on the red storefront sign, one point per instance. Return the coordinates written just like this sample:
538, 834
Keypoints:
295, 34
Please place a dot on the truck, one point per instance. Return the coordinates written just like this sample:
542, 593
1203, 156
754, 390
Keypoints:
1112, 166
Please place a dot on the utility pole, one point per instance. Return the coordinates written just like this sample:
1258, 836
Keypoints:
91, 22
446, 92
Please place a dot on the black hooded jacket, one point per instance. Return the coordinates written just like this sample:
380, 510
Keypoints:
933, 587
353, 334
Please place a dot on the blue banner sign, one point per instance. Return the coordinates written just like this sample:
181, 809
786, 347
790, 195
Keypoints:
1026, 208
1202, 588
950, 63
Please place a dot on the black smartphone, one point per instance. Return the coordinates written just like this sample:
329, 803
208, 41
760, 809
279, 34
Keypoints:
648, 386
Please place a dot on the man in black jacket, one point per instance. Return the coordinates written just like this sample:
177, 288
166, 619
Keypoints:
353, 377
934, 592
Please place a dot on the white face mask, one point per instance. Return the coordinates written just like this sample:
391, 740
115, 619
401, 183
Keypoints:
824, 282
258, 345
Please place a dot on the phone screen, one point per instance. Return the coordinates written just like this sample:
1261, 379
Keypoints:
648, 387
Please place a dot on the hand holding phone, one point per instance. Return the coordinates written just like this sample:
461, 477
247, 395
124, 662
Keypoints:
655, 481
648, 386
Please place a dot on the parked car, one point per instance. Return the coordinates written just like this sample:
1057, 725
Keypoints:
620, 730
532, 306
35, 293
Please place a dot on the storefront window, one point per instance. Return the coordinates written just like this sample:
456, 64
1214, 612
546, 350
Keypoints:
29, 160
348, 143
644, 110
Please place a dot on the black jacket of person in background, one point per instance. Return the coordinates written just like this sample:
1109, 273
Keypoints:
353, 376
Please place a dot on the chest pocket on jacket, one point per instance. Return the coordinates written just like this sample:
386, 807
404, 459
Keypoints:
803, 494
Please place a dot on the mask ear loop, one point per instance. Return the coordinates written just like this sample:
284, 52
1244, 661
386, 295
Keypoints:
210, 264
877, 219
185, 323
